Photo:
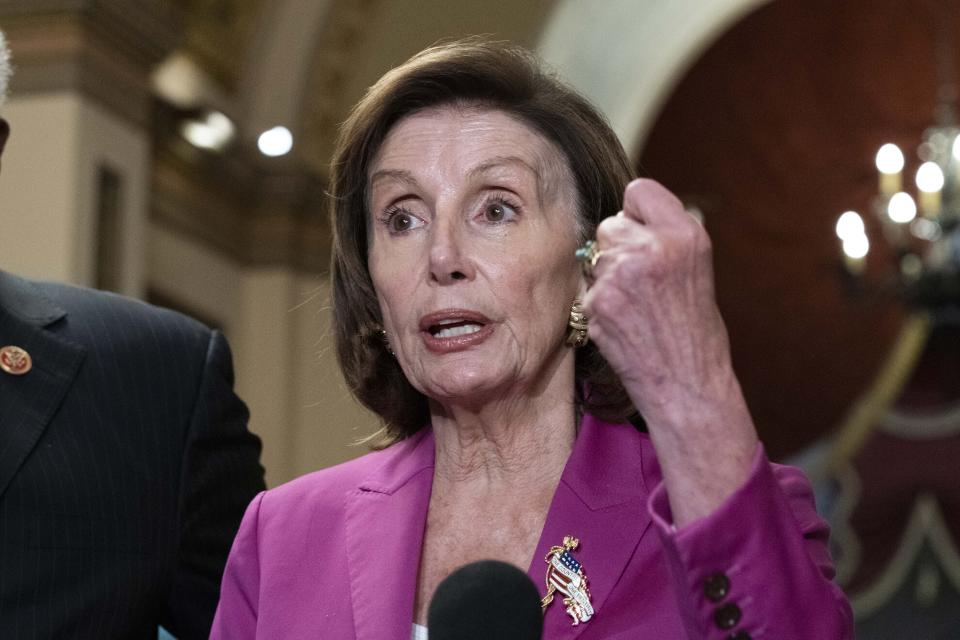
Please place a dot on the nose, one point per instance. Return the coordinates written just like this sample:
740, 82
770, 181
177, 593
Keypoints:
449, 262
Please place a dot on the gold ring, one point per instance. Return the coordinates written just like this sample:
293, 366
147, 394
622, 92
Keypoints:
588, 255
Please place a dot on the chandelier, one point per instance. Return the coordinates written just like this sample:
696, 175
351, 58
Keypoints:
922, 228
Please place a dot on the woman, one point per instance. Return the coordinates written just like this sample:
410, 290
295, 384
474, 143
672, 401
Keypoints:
463, 184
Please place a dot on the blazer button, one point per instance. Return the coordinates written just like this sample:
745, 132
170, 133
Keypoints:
727, 616
716, 587
740, 635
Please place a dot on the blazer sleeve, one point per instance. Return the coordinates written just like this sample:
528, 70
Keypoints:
236, 616
759, 565
221, 473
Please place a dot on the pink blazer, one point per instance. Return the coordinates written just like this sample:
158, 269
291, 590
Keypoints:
335, 554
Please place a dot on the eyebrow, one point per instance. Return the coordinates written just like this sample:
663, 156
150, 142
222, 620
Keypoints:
499, 161
405, 177
399, 175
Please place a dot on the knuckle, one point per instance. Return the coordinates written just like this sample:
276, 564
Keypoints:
634, 188
617, 265
690, 240
609, 229
705, 245
602, 309
641, 188
656, 251
657, 264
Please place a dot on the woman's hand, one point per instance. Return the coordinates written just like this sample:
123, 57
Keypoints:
653, 315
651, 305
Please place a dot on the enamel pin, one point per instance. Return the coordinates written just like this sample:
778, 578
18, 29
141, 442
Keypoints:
15, 361
565, 576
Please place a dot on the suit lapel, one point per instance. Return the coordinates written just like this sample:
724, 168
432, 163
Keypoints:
28, 402
601, 500
385, 520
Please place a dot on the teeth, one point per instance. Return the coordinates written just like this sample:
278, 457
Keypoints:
462, 330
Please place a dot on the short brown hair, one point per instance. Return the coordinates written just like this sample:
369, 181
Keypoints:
488, 74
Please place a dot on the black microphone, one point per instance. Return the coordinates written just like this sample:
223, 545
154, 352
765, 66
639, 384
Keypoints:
488, 600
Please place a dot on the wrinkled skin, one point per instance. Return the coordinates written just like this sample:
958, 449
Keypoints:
441, 174
472, 210
654, 316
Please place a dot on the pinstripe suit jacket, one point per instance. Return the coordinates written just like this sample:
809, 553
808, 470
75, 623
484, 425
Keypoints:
125, 467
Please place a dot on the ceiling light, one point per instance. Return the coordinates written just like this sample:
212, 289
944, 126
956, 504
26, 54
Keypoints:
212, 131
275, 142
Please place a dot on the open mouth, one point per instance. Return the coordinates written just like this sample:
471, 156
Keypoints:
449, 330
453, 328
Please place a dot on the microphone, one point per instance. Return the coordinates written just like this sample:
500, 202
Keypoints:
488, 600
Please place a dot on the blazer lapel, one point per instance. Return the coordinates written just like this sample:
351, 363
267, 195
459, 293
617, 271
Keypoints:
601, 501
28, 402
385, 523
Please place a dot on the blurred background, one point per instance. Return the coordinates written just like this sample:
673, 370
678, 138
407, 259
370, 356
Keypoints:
177, 151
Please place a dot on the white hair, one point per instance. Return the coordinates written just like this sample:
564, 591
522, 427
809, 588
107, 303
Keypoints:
5, 69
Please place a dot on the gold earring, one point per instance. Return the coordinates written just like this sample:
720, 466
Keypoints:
578, 326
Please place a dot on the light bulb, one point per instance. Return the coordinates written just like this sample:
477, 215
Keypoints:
930, 177
213, 132
890, 159
849, 224
901, 208
275, 142
856, 247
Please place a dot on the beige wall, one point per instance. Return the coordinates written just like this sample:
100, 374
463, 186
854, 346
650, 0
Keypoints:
288, 374
39, 186
189, 272
48, 188
277, 321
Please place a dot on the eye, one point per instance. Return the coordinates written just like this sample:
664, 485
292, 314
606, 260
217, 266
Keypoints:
498, 209
399, 220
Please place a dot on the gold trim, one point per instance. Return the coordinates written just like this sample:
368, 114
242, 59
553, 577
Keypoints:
867, 412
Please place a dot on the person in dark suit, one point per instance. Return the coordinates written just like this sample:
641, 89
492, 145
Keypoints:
125, 463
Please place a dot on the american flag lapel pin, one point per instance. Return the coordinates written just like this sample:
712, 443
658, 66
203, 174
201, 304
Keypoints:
565, 576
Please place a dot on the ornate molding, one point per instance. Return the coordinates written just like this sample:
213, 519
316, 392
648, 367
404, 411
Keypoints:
340, 44
102, 48
217, 33
926, 526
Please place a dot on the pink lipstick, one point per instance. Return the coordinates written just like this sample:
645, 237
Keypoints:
450, 330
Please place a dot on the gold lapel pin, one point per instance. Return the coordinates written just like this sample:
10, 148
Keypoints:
565, 576
15, 361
